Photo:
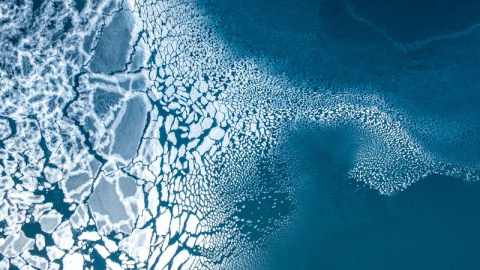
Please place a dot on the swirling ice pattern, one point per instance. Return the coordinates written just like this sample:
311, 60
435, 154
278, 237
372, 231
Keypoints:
131, 136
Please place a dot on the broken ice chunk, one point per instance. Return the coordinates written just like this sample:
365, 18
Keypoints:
130, 130
114, 44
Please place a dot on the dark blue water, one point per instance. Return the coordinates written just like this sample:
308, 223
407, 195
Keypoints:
342, 224
325, 42
420, 55
432, 225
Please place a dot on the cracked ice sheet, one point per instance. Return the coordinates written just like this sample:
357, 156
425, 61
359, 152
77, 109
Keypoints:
136, 140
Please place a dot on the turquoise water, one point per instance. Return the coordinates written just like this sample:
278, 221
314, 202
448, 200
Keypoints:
345, 225
421, 55
432, 225
341, 224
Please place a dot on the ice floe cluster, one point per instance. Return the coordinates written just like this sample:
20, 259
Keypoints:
131, 136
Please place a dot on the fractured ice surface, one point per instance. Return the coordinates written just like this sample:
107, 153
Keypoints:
133, 137
113, 45
129, 130
104, 200
75, 181
104, 100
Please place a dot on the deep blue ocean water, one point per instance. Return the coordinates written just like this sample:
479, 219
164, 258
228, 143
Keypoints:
422, 54
432, 225
342, 224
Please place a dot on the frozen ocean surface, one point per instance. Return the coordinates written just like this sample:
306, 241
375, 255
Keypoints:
243, 134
